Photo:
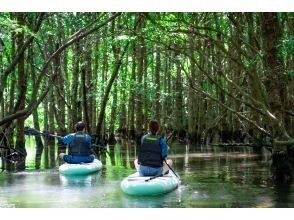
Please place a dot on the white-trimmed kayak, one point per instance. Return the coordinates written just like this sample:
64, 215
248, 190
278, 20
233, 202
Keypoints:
137, 185
80, 169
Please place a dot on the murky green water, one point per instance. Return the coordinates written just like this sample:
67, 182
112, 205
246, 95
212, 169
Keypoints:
211, 176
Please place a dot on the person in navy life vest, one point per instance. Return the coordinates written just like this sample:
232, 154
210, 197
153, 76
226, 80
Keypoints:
152, 153
79, 146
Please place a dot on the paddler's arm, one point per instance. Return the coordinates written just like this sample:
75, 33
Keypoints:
164, 148
67, 139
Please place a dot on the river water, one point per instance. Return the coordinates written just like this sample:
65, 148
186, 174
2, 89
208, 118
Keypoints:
211, 177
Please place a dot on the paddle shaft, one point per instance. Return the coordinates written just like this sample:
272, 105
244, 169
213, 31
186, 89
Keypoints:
42, 133
53, 135
34, 131
101, 148
171, 169
153, 177
169, 138
167, 163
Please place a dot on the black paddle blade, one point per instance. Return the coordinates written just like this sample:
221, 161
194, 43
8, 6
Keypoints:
31, 131
101, 148
13, 156
47, 134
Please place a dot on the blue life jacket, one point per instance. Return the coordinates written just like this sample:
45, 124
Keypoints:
150, 151
79, 146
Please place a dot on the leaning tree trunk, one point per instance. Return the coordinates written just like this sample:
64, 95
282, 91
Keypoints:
113, 114
105, 98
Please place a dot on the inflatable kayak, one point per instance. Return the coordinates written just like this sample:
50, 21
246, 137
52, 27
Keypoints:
81, 168
147, 186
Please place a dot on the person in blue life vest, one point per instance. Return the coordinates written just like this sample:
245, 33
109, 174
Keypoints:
79, 146
152, 152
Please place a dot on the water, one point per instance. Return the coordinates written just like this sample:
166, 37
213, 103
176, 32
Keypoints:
211, 177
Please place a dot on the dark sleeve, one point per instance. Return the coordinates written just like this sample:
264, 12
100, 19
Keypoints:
67, 139
163, 146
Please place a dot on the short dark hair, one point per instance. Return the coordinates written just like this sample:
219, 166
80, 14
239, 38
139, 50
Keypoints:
80, 126
153, 126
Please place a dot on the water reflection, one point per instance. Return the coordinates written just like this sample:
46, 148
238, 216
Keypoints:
186, 159
214, 177
144, 202
117, 154
160, 201
80, 181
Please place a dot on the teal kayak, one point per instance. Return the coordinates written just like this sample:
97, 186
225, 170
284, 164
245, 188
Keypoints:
146, 186
81, 168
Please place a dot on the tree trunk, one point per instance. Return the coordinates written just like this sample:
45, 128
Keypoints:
145, 98
39, 143
139, 82
236, 70
60, 95
75, 86
85, 100
89, 85
157, 101
113, 114
105, 68
123, 100
192, 131
96, 76
276, 88
221, 96
254, 84
131, 104
178, 108
22, 88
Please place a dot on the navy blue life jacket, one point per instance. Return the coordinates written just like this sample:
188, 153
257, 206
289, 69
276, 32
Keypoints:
150, 152
79, 146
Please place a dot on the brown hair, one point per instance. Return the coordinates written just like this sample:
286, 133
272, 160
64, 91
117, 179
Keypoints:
153, 126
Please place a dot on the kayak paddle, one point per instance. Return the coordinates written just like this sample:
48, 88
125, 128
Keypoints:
171, 169
33, 131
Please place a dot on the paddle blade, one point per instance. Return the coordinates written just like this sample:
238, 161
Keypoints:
31, 131
47, 134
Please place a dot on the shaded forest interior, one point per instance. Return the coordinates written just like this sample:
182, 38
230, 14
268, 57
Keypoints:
206, 77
